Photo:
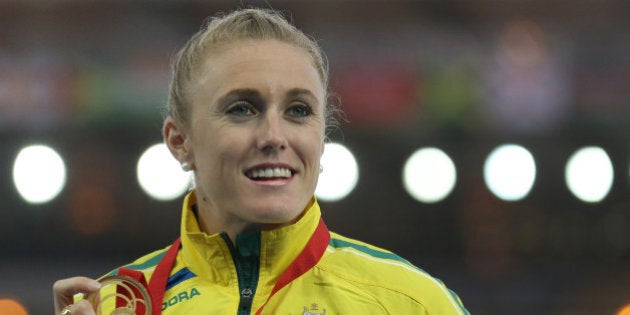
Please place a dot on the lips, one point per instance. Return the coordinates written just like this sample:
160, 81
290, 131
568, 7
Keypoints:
269, 172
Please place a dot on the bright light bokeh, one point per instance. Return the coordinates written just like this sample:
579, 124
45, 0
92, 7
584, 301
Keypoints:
510, 172
589, 174
39, 174
624, 310
160, 175
429, 175
12, 307
340, 173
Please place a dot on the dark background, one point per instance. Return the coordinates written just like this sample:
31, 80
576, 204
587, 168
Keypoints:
90, 78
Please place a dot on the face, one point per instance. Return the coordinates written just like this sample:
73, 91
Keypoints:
256, 133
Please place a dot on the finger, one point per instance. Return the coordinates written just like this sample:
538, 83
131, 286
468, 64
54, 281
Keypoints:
82, 307
64, 290
72, 286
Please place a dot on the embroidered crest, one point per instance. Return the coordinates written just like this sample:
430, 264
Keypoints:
314, 310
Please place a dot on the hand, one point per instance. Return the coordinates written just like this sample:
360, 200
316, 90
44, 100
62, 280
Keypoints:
64, 291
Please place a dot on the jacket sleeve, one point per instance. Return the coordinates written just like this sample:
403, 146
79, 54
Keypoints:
436, 299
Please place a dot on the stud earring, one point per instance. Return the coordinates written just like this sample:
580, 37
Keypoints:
321, 169
185, 167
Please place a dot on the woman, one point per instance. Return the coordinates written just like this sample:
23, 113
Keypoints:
248, 113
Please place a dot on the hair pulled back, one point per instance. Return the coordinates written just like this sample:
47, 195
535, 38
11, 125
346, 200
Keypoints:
221, 30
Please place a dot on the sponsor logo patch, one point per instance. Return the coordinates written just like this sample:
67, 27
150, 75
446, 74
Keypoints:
180, 297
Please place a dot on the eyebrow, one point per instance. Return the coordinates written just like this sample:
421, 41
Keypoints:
298, 92
237, 94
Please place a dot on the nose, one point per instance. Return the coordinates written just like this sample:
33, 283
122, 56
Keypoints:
272, 134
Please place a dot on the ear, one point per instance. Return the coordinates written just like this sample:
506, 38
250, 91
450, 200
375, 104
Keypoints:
176, 140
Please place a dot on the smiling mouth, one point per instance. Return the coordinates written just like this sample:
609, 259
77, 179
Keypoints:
269, 173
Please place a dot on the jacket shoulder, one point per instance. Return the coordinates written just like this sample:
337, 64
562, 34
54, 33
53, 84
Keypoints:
375, 268
371, 258
145, 264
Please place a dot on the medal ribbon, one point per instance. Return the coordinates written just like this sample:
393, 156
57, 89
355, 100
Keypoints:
310, 255
157, 284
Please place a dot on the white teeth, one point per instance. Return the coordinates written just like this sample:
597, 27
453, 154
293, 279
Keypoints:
269, 173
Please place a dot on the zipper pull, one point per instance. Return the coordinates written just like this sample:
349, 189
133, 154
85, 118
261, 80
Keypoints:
246, 293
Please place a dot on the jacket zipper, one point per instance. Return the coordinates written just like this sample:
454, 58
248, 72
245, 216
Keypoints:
246, 256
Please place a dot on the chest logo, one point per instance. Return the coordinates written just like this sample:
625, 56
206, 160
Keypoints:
180, 297
313, 310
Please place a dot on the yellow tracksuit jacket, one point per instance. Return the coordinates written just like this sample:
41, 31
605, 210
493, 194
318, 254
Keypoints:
212, 276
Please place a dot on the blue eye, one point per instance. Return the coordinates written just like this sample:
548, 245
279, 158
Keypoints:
299, 111
241, 109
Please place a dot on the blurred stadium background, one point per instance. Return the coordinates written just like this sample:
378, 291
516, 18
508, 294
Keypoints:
89, 79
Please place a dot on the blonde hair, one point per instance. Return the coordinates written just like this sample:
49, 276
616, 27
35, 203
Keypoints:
243, 24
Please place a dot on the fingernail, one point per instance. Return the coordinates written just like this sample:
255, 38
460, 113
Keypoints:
95, 285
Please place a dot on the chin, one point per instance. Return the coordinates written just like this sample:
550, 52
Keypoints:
274, 213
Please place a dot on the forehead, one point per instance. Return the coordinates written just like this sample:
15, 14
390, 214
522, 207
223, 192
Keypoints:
260, 64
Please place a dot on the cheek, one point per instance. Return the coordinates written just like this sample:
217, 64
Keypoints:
214, 146
223, 151
313, 147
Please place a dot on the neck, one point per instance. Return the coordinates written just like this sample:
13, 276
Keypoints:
212, 222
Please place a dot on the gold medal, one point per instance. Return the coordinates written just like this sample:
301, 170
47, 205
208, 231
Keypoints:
123, 294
